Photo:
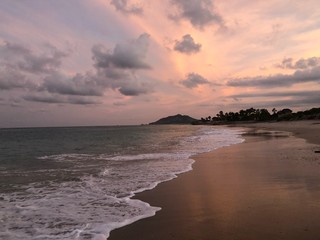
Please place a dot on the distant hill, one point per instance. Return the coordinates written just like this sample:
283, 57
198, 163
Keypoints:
177, 119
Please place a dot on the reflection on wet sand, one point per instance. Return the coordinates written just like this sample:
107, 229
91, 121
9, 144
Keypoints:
265, 188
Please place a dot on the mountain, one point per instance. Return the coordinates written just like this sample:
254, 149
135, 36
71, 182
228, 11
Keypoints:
177, 119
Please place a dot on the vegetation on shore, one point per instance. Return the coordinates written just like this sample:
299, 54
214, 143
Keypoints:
253, 114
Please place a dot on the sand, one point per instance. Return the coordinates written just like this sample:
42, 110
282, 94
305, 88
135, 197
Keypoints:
265, 188
309, 130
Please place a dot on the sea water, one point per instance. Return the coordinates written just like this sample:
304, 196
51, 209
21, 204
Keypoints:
78, 183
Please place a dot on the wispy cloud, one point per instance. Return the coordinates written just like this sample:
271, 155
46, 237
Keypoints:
280, 80
278, 94
301, 102
60, 99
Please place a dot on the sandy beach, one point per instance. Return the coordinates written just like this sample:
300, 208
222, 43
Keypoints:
265, 188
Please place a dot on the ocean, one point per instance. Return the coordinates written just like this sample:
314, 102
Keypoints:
78, 182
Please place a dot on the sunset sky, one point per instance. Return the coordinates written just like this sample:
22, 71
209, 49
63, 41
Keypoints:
107, 62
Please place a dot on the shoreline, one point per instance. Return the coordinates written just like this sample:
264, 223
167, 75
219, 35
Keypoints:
265, 188
301, 129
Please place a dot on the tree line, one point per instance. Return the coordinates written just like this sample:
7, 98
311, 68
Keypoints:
252, 114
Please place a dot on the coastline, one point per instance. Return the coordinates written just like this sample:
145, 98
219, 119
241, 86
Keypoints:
265, 188
306, 129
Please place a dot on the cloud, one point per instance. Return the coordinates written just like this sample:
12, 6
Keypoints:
82, 85
129, 55
60, 99
288, 63
194, 80
132, 91
280, 80
294, 103
126, 8
275, 36
18, 62
277, 99
19, 58
278, 94
187, 45
10, 79
40, 77
117, 69
119, 104
20, 67
200, 13
129, 84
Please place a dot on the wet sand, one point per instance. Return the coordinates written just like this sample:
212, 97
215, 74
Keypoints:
265, 188
308, 130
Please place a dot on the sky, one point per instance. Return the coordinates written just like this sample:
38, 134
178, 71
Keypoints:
120, 62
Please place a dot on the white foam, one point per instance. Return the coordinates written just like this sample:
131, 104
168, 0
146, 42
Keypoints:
105, 172
66, 157
146, 156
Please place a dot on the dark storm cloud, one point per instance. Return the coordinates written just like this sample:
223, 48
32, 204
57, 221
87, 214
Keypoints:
288, 63
194, 80
59, 99
280, 80
187, 45
129, 55
200, 13
127, 8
